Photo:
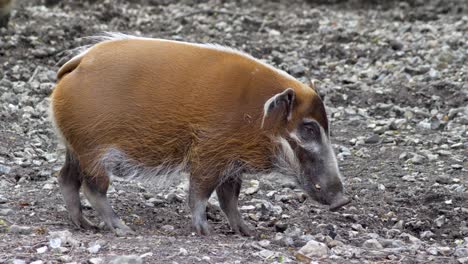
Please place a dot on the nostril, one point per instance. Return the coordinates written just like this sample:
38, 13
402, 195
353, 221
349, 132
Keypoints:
341, 201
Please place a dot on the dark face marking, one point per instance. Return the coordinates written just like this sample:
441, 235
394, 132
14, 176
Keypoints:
320, 176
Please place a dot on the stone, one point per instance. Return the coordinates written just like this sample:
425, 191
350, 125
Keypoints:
167, 228
6, 211
42, 250
266, 254
372, 139
96, 261
65, 236
94, 248
23, 230
126, 259
461, 252
314, 249
183, 251
254, 186
439, 221
4, 169
372, 244
17, 261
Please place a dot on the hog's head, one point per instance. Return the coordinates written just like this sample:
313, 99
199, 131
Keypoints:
302, 138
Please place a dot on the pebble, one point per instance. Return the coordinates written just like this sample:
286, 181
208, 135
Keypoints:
65, 236
6, 212
372, 244
96, 260
23, 230
440, 221
93, 249
42, 250
461, 252
126, 259
183, 251
372, 139
254, 186
17, 261
281, 226
4, 169
266, 254
416, 159
167, 228
314, 249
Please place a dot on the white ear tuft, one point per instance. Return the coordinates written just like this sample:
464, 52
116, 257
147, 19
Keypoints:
287, 97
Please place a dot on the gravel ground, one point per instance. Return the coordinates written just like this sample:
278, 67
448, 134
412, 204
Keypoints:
394, 77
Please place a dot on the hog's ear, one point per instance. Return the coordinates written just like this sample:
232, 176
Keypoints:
278, 109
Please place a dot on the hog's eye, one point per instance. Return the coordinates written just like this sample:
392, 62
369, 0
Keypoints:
310, 130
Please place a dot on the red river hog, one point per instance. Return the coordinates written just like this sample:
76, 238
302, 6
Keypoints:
138, 107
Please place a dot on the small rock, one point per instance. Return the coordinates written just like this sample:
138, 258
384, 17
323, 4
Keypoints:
67, 258
254, 186
23, 230
461, 252
48, 186
4, 169
314, 249
6, 211
457, 145
155, 201
445, 251
416, 159
17, 261
128, 259
65, 237
439, 221
281, 227
94, 248
167, 228
372, 139
297, 70
426, 234
42, 250
247, 208
96, 261
183, 252
443, 179
266, 254
372, 244
55, 242
347, 251
264, 243
408, 178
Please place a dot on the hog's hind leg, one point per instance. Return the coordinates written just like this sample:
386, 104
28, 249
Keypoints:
228, 195
95, 189
70, 179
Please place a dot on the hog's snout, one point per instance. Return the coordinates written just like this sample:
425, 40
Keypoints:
339, 201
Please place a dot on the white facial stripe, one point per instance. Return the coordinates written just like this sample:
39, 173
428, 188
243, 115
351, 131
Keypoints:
322, 148
331, 163
287, 158
294, 136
